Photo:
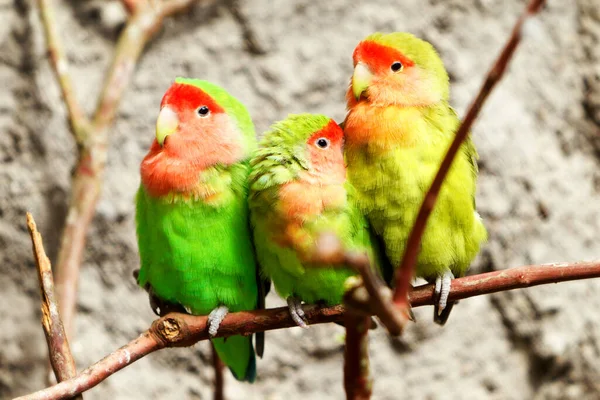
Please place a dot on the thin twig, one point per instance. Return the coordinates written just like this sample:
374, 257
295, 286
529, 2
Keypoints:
180, 330
59, 352
405, 273
358, 383
144, 22
219, 376
78, 121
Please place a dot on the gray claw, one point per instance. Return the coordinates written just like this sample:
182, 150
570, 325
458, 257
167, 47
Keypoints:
296, 311
442, 289
215, 318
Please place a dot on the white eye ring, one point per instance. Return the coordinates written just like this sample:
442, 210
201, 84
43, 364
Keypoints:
322, 143
203, 111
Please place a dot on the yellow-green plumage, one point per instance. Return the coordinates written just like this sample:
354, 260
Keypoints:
396, 138
295, 196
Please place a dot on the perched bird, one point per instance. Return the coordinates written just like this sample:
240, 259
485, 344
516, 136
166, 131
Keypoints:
298, 192
192, 215
398, 128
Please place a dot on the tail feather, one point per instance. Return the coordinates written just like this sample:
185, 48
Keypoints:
237, 353
441, 318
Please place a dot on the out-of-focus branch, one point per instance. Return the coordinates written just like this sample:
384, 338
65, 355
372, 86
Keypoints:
180, 330
219, 377
78, 121
329, 250
357, 375
92, 137
405, 272
59, 352
131, 5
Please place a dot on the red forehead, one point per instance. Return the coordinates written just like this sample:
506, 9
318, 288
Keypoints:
331, 131
379, 56
182, 96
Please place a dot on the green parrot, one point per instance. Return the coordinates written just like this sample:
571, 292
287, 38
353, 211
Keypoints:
298, 191
398, 128
192, 213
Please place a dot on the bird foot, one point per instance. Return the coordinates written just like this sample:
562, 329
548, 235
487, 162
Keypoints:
442, 290
296, 311
215, 318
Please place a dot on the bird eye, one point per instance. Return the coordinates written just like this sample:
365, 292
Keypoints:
322, 143
203, 111
396, 66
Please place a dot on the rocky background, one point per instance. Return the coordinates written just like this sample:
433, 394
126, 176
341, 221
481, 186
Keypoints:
538, 137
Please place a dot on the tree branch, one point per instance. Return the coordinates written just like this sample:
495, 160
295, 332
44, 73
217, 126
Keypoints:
329, 250
405, 272
180, 330
78, 121
357, 375
60, 355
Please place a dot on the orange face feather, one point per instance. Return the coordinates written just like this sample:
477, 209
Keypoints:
322, 186
327, 164
409, 86
318, 189
199, 142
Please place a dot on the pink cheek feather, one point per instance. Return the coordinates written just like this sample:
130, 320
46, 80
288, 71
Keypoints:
197, 145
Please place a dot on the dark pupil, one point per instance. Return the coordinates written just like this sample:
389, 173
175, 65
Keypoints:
396, 66
322, 143
203, 110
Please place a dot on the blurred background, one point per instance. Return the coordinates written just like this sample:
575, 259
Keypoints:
539, 191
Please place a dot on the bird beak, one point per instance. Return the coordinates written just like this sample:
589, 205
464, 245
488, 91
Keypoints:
166, 124
361, 79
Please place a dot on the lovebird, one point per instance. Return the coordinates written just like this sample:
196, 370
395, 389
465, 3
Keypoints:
298, 191
192, 213
398, 128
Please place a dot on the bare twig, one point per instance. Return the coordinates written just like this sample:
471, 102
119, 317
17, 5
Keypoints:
146, 18
180, 330
357, 376
405, 272
219, 376
78, 121
59, 352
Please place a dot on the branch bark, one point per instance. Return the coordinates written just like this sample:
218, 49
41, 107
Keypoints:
329, 250
78, 121
59, 352
405, 272
180, 330
358, 383
92, 137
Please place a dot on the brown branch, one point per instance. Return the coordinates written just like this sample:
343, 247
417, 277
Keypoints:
219, 376
357, 375
406, 270
131, 5
180, 330
86, 184
78, 121
329, 250
59, 352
